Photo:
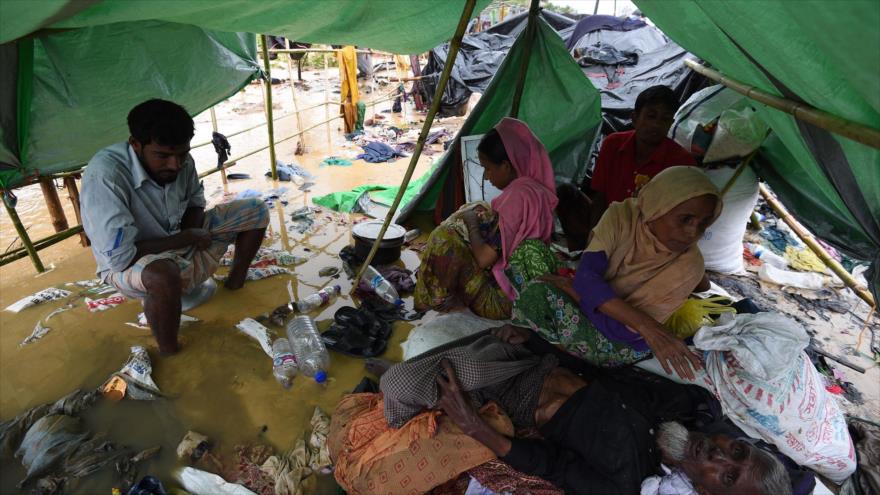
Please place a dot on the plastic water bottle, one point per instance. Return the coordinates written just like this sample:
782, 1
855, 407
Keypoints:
766, 256
380, 286
311, 355
283, 362
318, 299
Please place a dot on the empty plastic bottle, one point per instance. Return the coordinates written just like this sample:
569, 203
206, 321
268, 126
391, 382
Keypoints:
311, 355
380, 286
767, 256
283, 362
318, 299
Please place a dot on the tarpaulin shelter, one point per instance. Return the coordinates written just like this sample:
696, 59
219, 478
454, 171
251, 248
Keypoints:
818, 53
480, 57
558, 103
72, 69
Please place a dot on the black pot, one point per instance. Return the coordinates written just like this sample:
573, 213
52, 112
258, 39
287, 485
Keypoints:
365, 234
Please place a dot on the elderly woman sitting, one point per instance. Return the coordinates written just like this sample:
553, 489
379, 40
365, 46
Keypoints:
640, 265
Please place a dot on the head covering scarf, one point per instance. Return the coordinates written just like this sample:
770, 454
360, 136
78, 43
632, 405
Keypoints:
641, 270
525, 206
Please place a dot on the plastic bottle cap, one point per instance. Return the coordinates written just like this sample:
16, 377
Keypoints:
320, 377
398, 302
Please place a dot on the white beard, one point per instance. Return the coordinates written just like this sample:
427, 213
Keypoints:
673, 440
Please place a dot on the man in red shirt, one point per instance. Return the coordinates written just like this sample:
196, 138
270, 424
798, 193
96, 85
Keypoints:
627, 160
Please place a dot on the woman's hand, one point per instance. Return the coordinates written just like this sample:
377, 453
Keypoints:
562, 283
671, 352
511, 334
454, 402
471, 218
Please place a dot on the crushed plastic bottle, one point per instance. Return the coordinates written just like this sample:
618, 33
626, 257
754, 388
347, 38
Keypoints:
381, 287
311, 354
766, 256
284, 364
318, 299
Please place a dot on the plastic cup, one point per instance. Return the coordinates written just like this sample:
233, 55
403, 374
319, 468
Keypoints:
115, 388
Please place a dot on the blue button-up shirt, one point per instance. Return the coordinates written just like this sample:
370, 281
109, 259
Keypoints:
122, 205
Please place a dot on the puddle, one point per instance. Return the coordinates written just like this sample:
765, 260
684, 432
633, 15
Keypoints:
221, 383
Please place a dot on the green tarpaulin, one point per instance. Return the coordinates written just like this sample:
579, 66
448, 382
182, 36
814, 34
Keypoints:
384, 195
558, 103
72, 69
819, 52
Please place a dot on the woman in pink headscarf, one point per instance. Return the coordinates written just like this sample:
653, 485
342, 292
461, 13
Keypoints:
481, 255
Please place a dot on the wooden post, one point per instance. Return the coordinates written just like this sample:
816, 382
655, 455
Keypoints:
454, 45
299, 122
23, 235
531, 26
270, 123
810, 241
73, 194
214, 126
53, 203
327, 100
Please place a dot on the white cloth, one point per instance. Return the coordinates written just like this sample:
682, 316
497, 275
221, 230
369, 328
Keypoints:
671, 483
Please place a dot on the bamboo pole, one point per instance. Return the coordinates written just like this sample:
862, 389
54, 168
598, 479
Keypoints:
73, 194
327, 99
299, 122
322, 50
215, 127
270, 123
23, 235
801, 111
454, 45
53, 203
19, 253
531, 26
810, 241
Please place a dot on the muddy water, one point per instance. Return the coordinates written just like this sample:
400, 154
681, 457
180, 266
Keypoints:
221, 383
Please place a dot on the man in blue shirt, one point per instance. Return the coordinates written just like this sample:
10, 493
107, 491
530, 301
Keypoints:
143, 208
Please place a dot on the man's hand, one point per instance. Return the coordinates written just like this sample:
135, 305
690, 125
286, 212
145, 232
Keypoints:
200, 238
512, 334
455, 403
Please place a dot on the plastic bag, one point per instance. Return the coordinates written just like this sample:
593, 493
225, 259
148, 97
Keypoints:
695, 313
786, 278
739, 133
44, 295
198, 482
770, 389
137, 373
252, 328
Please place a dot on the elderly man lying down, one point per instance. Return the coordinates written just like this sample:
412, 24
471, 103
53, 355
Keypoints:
599, 435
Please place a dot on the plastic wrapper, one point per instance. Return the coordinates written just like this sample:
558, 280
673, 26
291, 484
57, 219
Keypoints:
105, 303
137, 373
258, 332
44, 295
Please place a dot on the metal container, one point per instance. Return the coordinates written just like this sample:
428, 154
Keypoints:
365, 234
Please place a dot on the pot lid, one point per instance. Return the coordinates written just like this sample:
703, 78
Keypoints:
370, 230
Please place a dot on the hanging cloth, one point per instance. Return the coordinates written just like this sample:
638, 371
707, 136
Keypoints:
348, 96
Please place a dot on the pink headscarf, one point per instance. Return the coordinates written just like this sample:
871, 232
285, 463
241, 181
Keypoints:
525, 207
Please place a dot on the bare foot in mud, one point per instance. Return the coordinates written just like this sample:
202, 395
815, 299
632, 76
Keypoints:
377, 366
233, 285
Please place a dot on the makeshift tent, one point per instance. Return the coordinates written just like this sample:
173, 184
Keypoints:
817, 52
558, 102
480, 56
72, 69
75, 88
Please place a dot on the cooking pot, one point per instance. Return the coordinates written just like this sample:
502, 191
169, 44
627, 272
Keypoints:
365, 234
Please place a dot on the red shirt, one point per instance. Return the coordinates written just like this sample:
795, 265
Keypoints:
616, 170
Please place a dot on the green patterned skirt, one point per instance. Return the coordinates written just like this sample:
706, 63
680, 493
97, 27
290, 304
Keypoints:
555, 316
